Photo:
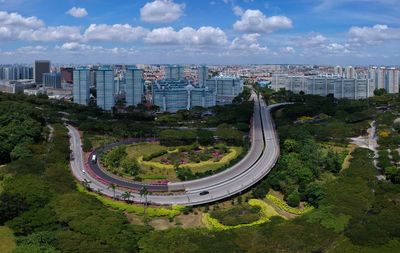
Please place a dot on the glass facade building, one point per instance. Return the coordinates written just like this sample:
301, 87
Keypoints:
52, 80
134, 86
81, 86
105, 86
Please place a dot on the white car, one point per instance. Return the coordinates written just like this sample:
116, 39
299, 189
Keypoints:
83, 171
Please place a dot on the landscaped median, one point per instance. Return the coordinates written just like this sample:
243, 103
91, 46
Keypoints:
135, 208
233, 153
266, 212
285, 207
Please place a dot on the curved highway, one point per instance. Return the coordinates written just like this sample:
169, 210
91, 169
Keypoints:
258, 162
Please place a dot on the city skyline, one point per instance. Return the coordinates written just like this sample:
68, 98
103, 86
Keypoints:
209, 32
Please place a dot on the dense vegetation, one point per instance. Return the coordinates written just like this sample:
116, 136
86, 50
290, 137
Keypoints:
236, 215
354, 212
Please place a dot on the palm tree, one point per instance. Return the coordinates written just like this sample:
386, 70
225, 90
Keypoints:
143, 193
86, 183
112, 187
127, 196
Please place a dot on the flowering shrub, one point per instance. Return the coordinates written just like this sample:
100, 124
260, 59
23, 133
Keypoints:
285, 207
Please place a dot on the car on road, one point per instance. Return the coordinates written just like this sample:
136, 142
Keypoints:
83, 171
204, 193
94, 158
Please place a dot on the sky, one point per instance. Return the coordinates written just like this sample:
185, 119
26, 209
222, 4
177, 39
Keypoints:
347, 32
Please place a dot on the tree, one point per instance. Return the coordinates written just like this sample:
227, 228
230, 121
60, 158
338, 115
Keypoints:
11, 205
113, 187
379, 92
86, 183
143, 193
86, 144
393, 174
293, 199
127, 196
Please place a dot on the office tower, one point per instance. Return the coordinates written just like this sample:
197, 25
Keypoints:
134, 86
41, 67
52, 80
350, 72
81, 87
105, 88
338, 71
174, 73
203, 75
67, 75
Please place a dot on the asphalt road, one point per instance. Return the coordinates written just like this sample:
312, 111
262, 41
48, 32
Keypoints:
258, 162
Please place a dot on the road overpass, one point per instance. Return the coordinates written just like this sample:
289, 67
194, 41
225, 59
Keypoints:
258, 162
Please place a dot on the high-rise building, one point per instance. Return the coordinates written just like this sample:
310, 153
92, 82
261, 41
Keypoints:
67, 75
81, 87
338, 71
172, 96
385, 78
105, 87
392, 80
134, 86
174, 73
322, 86
350, 72
226, 88
203, 75
52, 80
41, 67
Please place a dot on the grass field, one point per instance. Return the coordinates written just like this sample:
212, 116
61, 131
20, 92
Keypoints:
7, 240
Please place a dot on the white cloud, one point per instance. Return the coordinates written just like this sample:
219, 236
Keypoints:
74, 47
373, 35
238, 11
77, 12
117, 32
203, 36
312, 40
161, 11
248, 43
32, 49
15, 20
287, 50
254, 21
52, 33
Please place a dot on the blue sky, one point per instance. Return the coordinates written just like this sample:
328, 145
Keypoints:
208, 31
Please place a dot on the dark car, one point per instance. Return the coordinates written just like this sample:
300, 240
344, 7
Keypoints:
204, 193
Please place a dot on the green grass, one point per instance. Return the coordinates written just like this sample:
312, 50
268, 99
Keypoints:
265, 214
236, 215
154, 170
101, 140
134, 208
7, 240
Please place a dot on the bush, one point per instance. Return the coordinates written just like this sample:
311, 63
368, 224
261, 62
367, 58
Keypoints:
293, 199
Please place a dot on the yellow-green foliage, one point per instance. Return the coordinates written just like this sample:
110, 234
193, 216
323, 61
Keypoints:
7, 240
175, 210
233, 153
266, 213
285, 207
384, 133
303, 119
